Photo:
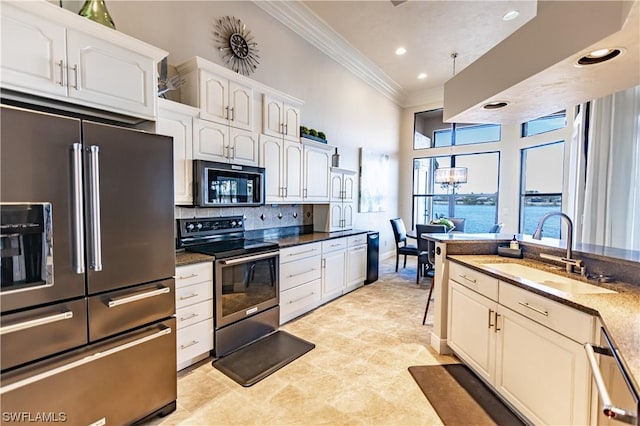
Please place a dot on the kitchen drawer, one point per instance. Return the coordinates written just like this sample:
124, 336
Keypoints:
357, 240
193, 341
570, 322
296, 301
36, 333
476, 281
334, 245
195, 293
289, 254
192, 274
116, 311
302, 271
192, 314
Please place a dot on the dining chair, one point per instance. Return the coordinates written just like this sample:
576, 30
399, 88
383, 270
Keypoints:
402, 248
496, 229
459, 223
424, 246
428, 256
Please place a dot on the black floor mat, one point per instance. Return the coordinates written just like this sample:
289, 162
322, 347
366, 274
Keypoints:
256, 361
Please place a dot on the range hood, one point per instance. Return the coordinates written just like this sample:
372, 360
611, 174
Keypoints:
535, 70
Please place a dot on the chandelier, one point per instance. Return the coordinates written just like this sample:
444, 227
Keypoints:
451, 177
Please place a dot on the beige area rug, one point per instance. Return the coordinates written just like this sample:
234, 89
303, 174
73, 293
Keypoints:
460, 398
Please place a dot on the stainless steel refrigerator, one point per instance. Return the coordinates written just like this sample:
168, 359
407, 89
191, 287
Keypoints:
87, 333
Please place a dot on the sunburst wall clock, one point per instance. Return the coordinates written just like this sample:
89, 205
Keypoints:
236, 45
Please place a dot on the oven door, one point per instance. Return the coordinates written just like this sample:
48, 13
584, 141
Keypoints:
618, 401
245, 285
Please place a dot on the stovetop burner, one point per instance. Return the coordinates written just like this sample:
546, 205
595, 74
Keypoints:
220, 237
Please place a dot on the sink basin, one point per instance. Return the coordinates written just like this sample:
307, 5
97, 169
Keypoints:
547, 279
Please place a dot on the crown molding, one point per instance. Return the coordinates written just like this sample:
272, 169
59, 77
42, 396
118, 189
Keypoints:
300, 19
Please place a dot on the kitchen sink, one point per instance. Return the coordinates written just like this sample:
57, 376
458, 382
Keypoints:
547, 279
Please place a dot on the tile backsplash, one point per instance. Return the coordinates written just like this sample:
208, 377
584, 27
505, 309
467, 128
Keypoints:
267, 216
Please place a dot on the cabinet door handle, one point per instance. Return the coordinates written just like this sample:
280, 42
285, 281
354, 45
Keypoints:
226, 112
75, 75
190, 296
490, 313
496, 329
193, 315
304, 191
302, 298
61, 65
467, 278
191, 343
286, 193
534, 309
184, 277
233, 114
233, 151
301, 273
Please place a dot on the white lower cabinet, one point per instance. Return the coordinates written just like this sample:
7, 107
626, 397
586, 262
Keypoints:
194, 313
356, 272
527, 347
300, 273
334, 263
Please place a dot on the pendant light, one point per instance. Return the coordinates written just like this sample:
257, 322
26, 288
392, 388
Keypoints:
451, 177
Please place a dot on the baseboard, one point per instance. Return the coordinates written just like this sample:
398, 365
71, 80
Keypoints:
440, 345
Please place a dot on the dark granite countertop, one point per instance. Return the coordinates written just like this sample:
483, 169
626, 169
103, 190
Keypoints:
619, 312
293, 240
188, 258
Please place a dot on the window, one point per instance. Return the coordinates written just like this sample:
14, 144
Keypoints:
466, 135
541, 187
548, 123
475, 201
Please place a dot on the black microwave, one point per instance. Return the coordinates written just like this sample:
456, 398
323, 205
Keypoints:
222, 184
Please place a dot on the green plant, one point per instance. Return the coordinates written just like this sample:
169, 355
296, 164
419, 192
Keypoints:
304, 130
321, 135
313, 132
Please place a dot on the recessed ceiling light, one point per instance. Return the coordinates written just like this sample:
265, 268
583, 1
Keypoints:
599, 56
512, 14
495, 105
422, 76
401, 51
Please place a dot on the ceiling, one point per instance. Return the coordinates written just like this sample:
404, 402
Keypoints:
369, 32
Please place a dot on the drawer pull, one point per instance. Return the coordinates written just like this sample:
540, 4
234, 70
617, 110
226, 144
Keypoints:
540, 311
301, 273
189, 296
184, 277
467, 278
193, 315
25, 325
128, 299
302, 298
191, 343
302, 252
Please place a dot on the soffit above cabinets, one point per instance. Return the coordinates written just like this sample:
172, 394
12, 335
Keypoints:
534, 70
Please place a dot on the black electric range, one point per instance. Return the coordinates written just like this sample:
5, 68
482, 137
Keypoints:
220, 237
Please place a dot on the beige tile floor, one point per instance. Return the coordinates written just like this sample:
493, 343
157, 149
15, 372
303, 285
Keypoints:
356, 375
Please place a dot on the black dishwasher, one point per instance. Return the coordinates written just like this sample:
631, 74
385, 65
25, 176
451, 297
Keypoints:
373, 247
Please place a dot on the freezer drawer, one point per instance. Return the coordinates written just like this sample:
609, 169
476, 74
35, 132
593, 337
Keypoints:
118, 311
35, 333
115, 382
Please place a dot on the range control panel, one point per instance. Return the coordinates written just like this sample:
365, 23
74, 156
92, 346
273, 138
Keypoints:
208, 227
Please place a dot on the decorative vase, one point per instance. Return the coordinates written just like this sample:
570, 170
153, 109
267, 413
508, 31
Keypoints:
96, 10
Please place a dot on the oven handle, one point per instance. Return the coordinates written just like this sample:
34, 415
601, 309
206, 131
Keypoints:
608, 408
246, 259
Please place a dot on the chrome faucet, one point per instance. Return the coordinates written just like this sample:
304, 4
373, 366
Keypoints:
568, 260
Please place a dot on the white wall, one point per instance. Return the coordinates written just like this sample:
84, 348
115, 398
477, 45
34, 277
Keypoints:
351, 113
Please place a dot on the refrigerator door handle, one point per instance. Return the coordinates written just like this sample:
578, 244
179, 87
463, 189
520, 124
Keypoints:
78, 201
94, 198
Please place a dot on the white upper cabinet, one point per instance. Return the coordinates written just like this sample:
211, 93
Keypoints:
343, 185
49, 52
317, 161
176, 120
225, 101
219, 142
280, 118
282, 160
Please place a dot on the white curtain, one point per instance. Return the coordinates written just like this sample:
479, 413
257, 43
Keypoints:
612, 188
